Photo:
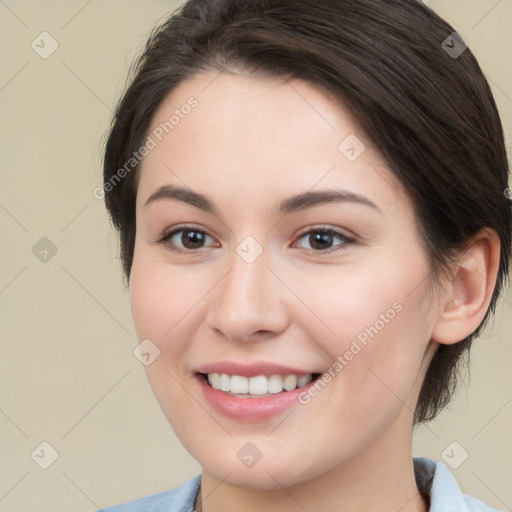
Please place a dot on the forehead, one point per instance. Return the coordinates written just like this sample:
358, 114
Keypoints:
244, 132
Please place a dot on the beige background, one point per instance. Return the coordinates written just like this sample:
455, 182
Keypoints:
68, 374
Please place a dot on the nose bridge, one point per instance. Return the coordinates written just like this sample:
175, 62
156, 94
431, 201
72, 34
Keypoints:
249, 299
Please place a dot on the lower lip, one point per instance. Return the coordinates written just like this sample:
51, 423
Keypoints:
251, 409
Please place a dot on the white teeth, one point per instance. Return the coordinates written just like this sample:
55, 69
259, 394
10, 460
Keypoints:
275, 384
239, 384
225, 382
290, 382
302, 381
214, 380
260, 385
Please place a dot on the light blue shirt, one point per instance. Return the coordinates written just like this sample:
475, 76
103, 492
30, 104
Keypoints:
433, 479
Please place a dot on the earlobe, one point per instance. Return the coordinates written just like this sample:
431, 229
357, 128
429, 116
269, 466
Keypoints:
465, 298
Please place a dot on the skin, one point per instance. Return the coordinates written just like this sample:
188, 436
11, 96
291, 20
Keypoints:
248, 144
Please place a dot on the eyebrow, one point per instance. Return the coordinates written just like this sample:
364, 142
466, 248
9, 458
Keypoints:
289, 205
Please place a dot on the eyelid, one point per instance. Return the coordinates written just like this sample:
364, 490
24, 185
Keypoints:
329, 228
182, 227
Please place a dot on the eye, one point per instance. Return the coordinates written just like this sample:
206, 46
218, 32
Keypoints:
188, 239
185, 239
322, 238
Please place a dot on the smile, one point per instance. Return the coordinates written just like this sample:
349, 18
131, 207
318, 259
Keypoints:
252, 392
257, 386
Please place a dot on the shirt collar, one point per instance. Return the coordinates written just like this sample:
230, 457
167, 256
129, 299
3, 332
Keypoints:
435, 481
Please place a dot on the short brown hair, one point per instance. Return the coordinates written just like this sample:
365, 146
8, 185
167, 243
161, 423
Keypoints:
430, 112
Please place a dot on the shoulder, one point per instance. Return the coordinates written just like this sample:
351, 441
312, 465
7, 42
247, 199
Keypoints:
435, 480
180, 499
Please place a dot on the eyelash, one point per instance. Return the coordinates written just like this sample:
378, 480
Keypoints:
166, 239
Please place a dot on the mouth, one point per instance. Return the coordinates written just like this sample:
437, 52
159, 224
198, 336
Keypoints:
253, 392
258, 386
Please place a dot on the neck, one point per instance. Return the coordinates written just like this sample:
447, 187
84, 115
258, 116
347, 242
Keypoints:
379, 478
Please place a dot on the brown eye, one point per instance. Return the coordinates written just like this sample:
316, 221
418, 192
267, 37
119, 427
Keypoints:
185, 239
322, 239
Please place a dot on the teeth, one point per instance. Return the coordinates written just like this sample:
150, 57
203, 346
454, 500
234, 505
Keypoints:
214, 380
239, 384
302, 381
225, 382
290, 382
275, 384
259, 385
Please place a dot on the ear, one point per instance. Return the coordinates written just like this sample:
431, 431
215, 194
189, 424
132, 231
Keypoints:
465, 298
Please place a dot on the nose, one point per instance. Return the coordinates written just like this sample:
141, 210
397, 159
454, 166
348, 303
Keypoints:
249, 303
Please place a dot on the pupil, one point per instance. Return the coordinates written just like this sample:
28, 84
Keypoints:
193, 238
323, 238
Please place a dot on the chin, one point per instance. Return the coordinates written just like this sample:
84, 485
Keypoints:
257, 479
271, 474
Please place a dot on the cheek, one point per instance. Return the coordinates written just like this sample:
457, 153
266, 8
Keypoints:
161, 298
161, 312
157, 305
375, 326
358, 303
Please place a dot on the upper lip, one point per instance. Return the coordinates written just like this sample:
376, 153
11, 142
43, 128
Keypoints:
251, 370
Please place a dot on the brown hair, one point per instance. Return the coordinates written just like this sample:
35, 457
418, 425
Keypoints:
428, 109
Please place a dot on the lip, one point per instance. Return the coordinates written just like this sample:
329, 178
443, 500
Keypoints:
252, 370
250, 409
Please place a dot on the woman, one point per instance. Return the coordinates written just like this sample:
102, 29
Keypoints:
313, 225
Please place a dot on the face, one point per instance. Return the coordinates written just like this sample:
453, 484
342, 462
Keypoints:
291, 253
